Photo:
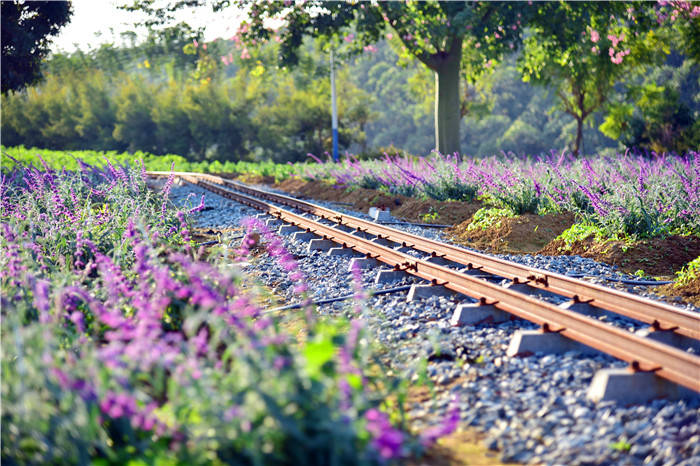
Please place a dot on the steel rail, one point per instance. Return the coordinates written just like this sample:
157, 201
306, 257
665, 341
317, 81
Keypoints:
660, 315
641, 353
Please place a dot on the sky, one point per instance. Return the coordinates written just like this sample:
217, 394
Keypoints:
95, 22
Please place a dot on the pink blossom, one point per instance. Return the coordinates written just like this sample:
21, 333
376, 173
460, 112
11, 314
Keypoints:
196, 44
477, 45
349, 38
496, 35
245, 54
616, 40
594, 35
595, 50
389, 36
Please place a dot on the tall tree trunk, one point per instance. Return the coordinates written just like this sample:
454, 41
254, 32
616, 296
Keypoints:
447, 100
579, 136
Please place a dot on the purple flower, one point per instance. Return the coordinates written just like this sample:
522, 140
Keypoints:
386, 440
449, 425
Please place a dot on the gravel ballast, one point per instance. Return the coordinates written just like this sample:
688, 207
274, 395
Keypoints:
532, 409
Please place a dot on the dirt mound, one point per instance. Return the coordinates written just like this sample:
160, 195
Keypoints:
524, 234
656, 256
402, 207
690, 292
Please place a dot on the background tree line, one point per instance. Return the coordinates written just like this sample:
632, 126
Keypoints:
166, 96
172, 93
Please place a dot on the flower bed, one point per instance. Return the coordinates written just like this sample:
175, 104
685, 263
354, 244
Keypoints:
625, 195
119, 343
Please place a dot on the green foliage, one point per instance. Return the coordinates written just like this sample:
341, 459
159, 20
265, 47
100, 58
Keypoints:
69, 160
454, 40
489, 217
133, 124
580, 231
26, 29
256, 113
431, 216
659, 111
583, 50
81, 91
690, 272
622, 445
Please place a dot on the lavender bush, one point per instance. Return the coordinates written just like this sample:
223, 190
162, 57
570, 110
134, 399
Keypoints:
120, 344
627, 195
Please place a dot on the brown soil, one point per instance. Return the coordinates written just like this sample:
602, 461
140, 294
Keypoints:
458, 449
524, 234
401, 207
659, 257
689, 292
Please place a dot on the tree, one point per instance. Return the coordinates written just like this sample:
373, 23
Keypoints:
583, 50
26, 28
660, 111
435, 33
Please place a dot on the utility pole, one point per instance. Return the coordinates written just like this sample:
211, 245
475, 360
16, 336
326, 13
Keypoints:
334, 108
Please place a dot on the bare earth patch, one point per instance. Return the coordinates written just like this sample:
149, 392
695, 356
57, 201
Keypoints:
402, 207
461, 448
690, 292
520, 235
659, 257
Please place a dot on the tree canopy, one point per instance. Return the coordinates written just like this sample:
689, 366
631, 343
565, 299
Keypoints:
26, 31
441, 35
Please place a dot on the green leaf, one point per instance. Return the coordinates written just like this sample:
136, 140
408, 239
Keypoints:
355, 381
317, 354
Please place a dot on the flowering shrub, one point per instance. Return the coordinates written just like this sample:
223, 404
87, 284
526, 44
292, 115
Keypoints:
118, 343
626, 194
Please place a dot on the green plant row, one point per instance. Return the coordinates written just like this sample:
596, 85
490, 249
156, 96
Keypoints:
68, 160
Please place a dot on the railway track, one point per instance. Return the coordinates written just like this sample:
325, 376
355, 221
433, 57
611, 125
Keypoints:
641, 353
